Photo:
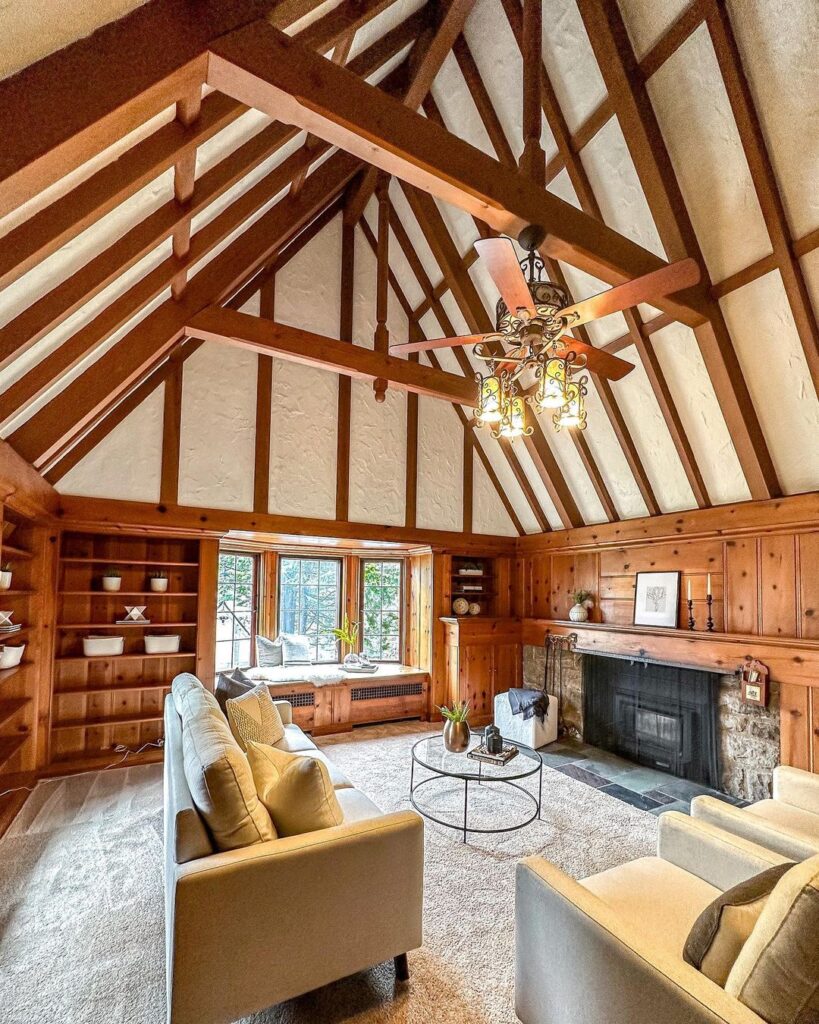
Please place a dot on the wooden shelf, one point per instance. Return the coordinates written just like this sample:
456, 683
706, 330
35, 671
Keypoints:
9, 745
160, 563
127, 593
122, 625
94, 723
81, 658
473, 576
9, 708
11, 637
9, 551
16, 593
7, 673
111, 689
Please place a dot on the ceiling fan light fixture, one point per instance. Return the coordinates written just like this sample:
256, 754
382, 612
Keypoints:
573, 412
551, 389
513, 422
490, 398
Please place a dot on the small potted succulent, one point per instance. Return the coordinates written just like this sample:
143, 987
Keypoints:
579, 612
5, 576
456, 729
159, 582
347, 635
111, 579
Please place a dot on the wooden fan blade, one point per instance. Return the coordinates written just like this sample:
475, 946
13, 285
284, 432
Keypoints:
426, 346
500, 259
598, 361
682, 274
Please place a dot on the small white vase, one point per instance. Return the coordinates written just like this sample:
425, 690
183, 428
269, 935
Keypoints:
111, 583
5, 579
159, 584
578, 613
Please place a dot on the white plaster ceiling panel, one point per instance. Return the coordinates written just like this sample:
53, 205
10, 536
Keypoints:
488, 513
303, 441
570, 62
461, 226
694, 398
416, 235
647, 22
699, 130
31, 29
378, 456
561, 186
440, 466
779, 42
610, 459
135, 443
498, 58
573, 470
364, 282
617, 188
653, 442
430, 328
308, 288
530, 472
507, 481
773, 364
453, 311
383, 23
454, 100
218, 428
403, 274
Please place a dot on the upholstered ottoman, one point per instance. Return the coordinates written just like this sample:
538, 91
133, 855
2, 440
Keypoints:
528, 732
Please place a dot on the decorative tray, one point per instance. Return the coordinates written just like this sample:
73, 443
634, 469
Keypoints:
482, 754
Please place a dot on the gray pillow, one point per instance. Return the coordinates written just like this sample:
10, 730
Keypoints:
268, 652
230, 685
296, 649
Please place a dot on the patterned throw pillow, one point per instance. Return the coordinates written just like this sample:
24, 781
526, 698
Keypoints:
296, 649
296, 790
254, 716
268, 652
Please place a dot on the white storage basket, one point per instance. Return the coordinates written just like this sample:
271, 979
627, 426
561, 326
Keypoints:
168, 644
96, 646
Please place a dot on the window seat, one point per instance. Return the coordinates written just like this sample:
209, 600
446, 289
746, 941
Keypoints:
326, 699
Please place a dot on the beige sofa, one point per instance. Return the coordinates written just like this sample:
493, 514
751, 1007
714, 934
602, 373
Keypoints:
251, 927
608, 949
788, 823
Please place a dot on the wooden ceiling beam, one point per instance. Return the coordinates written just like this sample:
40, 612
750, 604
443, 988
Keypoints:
532, 159
269, 71
629, 97
114, 373
425, 60
22, 487
483, 102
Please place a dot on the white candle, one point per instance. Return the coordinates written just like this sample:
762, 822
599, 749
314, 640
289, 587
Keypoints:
708, 584
689, 590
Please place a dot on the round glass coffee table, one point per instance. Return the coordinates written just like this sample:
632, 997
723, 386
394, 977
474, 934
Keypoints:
430, 753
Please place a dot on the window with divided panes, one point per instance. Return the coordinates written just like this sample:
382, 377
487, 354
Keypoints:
381, 609
310, 602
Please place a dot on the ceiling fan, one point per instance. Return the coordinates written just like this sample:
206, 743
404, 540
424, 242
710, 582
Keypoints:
532, 318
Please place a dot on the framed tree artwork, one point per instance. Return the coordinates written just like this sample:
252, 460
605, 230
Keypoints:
657, 599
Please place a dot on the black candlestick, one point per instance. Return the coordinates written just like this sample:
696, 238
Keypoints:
709, 622
690, 604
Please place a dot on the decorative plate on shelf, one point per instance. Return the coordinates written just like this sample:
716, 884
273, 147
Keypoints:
460, 606
474, 608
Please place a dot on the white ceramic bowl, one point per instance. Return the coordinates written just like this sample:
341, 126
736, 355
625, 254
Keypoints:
11, 656
168, 644
159, 585
95, 646
111, 583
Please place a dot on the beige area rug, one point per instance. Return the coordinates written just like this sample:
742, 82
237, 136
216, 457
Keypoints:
81, 909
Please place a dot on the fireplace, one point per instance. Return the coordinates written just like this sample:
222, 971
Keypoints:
661, 716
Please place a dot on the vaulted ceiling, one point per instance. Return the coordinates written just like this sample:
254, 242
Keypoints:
144, 184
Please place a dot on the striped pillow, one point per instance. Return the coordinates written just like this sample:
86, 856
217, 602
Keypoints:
268, 652
254, 716
296, 649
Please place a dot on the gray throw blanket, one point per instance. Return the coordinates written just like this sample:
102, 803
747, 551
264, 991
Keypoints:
529, 703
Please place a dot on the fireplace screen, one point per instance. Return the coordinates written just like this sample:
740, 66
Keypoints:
661, 716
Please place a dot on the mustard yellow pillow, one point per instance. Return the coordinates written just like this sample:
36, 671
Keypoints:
254, 716
296, 790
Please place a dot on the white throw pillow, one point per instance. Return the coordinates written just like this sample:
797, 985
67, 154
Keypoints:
254, 716
295, 789
296, 649
268, 652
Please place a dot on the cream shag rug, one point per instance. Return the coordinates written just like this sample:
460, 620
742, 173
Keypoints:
81, 907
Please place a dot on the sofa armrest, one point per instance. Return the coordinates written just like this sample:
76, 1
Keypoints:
774, 835
721, 858
256, 926
285, 709
575, 959
797, 788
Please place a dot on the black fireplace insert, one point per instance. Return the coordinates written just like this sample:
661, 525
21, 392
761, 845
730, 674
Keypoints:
661, 716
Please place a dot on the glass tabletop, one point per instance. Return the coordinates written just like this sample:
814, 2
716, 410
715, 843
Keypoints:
432, 754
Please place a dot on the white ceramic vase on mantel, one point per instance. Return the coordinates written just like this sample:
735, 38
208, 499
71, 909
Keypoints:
578, 613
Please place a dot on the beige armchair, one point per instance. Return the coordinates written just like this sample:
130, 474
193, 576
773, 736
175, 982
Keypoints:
787, 823
609, 948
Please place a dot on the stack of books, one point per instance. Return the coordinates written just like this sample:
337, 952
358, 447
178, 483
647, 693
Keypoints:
482, 754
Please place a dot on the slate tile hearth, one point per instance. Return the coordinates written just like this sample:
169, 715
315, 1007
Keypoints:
641, 787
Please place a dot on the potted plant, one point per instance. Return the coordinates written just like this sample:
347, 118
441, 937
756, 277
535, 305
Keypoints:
347, 635
579, 612
158, 582
456, 729
111, 579
5, 576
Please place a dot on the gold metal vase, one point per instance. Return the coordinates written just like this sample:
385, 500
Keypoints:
456, 736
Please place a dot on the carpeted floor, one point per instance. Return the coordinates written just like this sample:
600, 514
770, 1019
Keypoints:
81, 911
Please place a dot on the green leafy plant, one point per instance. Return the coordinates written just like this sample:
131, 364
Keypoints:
113, 572
347, 633
581, 596
459, 712
157, 575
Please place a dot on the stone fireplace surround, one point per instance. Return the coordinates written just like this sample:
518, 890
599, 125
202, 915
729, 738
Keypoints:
748, 736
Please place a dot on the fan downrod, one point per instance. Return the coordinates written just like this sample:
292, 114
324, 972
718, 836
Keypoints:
531, 237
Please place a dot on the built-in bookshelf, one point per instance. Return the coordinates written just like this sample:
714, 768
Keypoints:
101, 701
473, 579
